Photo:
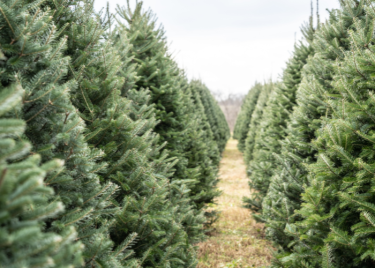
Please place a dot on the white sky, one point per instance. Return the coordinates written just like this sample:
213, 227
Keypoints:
230, 44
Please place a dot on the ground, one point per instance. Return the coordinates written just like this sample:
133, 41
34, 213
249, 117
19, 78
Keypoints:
237, 240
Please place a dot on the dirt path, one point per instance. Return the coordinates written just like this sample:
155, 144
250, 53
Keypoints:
237, 241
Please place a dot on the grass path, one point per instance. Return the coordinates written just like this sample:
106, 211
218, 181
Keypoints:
237, 240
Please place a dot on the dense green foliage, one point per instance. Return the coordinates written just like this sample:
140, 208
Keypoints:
195, 87
32, 43
256, 118
127, 144
215, 116
179, 126
313, 181
137, 145
292, 176
272, 127
241, 127
203, 152
22, 240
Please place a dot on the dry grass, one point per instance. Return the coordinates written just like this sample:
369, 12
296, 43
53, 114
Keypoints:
237, 240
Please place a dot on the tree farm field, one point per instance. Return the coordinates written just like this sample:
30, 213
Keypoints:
237, 240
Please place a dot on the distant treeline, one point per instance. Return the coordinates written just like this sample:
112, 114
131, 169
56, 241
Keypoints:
230, 105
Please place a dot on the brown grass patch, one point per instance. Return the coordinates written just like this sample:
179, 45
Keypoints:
237, 240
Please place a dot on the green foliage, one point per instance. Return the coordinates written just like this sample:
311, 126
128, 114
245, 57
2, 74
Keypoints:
313, 182
23, 206
179, 128
35, 50
203, 152
196, 86
215, 116
272, 128
140, 144
341, 176
148, 230
317, 209
256, 118
304, 235
241, 129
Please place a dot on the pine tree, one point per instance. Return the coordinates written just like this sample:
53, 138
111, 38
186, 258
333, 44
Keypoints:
272, 129
179, 193
149, 229
173, 106
156, 72
300, 241
256, 118
182, 216
86, 102
22, 206
244, 117
195, 87
343, 173
35, 46
215, 116
203, 152
273, 126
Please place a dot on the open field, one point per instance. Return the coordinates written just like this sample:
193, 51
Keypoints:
237, 240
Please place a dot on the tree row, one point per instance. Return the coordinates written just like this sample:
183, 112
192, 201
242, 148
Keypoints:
108, 153
308, 142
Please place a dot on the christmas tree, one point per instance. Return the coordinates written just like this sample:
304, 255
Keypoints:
272, 128
174, 108
256, 118
341, 175
23, 208
244, 117
195, 88
298, 233
202, 152
35, 47
215, 116
148, 230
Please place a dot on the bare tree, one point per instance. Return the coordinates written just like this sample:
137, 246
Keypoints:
230, 104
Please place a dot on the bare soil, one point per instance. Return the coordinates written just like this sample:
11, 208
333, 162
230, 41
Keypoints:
237, 240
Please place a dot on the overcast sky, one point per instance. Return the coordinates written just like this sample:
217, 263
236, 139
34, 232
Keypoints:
230, 44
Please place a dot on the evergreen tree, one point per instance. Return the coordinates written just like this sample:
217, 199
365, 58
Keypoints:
213, 150
156, 72
181, 223
173, 106
300, 242
244, 117
272, 129
342, 177
148, 231
163, 165
22, 206
215, 116
256, 118
203, 152
140, 163
34, 46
